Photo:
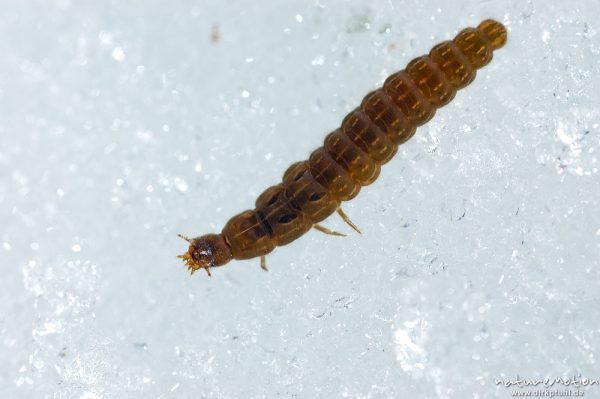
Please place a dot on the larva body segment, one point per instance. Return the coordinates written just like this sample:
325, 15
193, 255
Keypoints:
406, 96
361, 167
430, 80
453, 63
357, 126
332, 175
352, 155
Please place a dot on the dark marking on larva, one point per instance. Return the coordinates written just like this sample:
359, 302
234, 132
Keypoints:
316, 196
293, 203
352, 155
272, 200
264, 222
286, 218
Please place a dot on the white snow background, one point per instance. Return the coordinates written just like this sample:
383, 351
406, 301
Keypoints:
124, 123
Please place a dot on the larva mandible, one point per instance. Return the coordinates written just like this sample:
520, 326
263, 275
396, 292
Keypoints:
353, 154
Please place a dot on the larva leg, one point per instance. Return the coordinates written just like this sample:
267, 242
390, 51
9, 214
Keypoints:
347, 220
263, 263
325, 230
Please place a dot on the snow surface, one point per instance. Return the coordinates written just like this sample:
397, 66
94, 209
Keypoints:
124, 123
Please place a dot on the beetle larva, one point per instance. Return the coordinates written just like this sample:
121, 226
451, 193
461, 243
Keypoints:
352, 155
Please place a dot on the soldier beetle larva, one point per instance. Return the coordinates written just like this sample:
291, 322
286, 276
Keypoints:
352, 155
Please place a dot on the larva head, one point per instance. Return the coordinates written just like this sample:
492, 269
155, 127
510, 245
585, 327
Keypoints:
205, 252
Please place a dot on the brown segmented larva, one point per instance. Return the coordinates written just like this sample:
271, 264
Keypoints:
353, 154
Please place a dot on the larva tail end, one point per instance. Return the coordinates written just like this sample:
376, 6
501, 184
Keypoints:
495, 32
205, 252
